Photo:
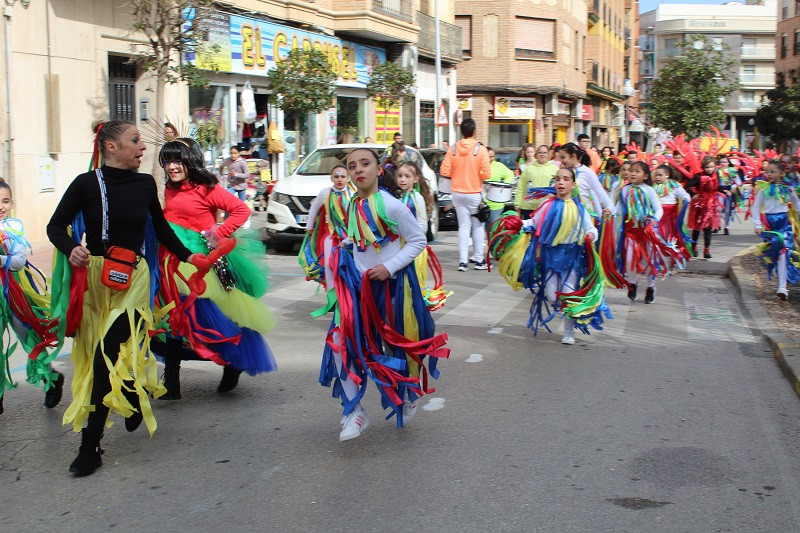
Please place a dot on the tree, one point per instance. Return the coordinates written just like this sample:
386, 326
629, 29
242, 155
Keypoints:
689, 94
172, 28
305, 82
390, 85
779, 114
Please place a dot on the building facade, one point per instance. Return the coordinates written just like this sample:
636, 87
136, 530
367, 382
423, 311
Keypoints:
748, 30
523, 77
67, 65
787, 41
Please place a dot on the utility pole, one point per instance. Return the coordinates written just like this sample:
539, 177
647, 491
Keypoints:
438, 131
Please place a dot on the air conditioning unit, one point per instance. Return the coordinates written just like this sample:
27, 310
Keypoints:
551, 104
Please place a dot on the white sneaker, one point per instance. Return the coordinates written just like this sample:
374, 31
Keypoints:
353, 425
568, 338
783, 294
409, 411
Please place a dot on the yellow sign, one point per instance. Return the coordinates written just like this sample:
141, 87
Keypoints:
392, 117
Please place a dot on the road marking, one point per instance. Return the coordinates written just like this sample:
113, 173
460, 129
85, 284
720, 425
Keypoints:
434, 404
294, 292
713, 317
487, 307
495, 331
474, 358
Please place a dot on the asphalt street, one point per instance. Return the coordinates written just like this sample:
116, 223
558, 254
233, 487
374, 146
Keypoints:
675, 418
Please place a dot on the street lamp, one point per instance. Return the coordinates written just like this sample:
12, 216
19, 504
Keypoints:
627, 91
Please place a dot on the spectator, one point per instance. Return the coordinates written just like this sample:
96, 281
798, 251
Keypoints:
586, 145
467, 165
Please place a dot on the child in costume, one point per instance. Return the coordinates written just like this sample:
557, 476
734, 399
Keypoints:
775, 211
729, 184
592, 194
416, 194
674, 202
227, 324
610, 175
106, 303
25, 307
326, 227
704, 207
549, 254
382, 329
642, 250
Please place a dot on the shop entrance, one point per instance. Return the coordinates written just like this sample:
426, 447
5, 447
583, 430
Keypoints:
350, 119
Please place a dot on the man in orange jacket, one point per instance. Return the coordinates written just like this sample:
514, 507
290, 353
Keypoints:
467, 165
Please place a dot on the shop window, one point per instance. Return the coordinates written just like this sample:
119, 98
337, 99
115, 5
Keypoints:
534, 38
503, 135
210, 119
427, 123
121, 88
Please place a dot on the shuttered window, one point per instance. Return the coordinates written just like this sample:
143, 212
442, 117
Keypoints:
535, 38
465, 22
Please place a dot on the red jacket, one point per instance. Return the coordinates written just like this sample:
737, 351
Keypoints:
195, 207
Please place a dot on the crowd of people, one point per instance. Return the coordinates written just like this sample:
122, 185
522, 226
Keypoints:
135, 283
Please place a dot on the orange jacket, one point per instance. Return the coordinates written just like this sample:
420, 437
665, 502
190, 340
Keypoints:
597, 161
467, 170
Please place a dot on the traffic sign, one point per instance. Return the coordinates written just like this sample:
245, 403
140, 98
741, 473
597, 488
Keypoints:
459, 116
441, 116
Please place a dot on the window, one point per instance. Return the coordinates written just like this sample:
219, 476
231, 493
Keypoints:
748, 97
465, 22
792, 77
716, 43
797, 7
121, 89
534, 38
671, 46
785, 10
796, 42
783, 46
577, 50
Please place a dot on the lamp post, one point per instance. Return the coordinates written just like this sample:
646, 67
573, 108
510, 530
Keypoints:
627, 91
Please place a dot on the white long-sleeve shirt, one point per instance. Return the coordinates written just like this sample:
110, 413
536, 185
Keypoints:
422, 213
393, 255
316, 205
17, 253
588, 225
671, 198
652, 197
769, 205
591, 190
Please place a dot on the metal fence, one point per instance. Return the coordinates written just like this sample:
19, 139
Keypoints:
449, 34
401, 9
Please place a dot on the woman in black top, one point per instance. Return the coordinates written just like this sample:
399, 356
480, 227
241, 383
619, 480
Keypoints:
110, 352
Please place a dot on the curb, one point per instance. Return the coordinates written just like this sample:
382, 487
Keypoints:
785, 350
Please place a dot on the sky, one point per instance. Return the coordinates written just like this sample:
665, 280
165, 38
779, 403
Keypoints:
649, 5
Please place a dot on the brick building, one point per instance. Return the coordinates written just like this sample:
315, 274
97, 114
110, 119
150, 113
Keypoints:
523, 77
787, 60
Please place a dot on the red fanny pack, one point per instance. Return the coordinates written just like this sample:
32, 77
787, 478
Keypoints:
118, 266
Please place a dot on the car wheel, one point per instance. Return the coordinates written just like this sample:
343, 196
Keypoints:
433, 224
283, 247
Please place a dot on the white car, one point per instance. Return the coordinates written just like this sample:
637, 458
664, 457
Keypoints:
291, 197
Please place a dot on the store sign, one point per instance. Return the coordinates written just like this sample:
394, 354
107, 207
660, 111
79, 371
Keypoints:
465, 104
392, 121
587, 112
514, 107
252, 47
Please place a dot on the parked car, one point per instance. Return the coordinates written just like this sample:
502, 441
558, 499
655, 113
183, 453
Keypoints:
447, 215
291, 197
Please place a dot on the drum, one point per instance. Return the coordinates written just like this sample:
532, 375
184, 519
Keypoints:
444, 185
498, 192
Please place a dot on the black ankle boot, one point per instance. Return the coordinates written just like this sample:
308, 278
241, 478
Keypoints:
1, 405
172, 380
52, 396
230, 378
135, 420
88, 459
632, 291
649, 295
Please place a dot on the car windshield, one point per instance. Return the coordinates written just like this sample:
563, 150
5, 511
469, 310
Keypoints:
322, 160
508, 159
434, 160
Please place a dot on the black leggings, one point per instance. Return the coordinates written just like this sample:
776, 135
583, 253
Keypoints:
706, 236
118, 334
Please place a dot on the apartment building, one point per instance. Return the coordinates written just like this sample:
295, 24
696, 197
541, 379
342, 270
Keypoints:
523, 77
608, 46
748, 30
67, 65
787, 38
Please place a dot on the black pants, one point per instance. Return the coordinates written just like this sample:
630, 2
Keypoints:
525, 214
117, 335
706, 236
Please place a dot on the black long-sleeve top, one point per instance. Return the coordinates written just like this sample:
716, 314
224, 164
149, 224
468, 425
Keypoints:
131, 196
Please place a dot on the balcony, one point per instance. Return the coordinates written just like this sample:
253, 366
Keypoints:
757, 80
400, 9
449, 37
757, 52
748, 105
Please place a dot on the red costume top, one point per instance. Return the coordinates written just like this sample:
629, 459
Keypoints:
195, 207
704, 208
